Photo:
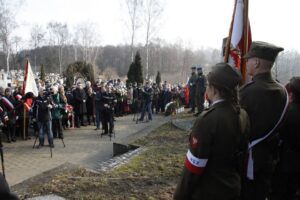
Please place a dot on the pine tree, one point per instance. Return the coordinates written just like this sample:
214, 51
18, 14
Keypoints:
131, 73
158, 78
42, 74
138, 68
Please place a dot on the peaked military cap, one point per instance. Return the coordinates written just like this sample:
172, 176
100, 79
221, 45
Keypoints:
295, 84
224, 75
264, 51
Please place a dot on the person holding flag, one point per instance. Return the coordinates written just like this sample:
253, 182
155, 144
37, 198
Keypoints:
266, 103
29, 91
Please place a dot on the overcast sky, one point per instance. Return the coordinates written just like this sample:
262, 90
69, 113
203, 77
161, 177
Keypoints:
196, 23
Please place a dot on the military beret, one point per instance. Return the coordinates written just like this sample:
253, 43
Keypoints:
224, 75
263, 50
199, 69
295, 84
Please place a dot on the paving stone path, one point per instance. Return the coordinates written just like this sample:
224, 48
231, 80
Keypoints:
84, 147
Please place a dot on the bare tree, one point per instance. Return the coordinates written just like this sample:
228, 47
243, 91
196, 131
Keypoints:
7, 26
16, 42
37, 36
58, 35
110, 73
134, 10
152, 12
87, 37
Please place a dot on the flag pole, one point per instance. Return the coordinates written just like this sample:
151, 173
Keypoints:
24, 109
228, 41
245, 46
24, 121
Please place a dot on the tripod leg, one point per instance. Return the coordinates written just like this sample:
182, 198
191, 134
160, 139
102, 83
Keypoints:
36, 137
51, 151
2, 162
63, 142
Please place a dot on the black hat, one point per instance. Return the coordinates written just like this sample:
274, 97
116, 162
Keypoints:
224, 75
193, 68
264, 51
295, 84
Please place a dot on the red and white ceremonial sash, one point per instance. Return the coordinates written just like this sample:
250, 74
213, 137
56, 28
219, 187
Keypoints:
7, 103
250, 161
194, 164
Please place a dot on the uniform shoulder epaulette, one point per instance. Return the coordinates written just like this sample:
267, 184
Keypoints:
247, 85
205, 112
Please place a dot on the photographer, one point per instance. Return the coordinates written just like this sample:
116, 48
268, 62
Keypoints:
42, 115
57, 112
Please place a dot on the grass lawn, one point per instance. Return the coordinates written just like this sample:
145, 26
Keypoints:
152, 174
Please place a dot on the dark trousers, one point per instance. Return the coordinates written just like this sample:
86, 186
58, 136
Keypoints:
78, 120
147, 108
90, 119
98, 117
199, 103
10, 131
108, 119
57, 128
257, 189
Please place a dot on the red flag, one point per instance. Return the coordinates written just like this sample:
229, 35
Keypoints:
239, 39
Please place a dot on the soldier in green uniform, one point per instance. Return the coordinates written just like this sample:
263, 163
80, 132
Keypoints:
192, 88
200, 90
217, 143
266, 102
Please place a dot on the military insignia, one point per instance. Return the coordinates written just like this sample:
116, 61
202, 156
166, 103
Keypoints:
194, 142
194, 164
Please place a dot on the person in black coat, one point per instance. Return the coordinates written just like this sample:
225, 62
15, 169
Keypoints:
265, 101
5, 192
108, 101
42, 116
9, 104
90, 105
286, 182
147, 101
79, 99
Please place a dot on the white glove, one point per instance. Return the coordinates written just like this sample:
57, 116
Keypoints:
83, 100
6, 118
33, 120
50, 106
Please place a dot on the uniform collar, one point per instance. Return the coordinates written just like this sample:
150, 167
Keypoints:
264, 77
217, 102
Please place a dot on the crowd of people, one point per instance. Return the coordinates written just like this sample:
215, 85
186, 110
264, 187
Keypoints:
56, 108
